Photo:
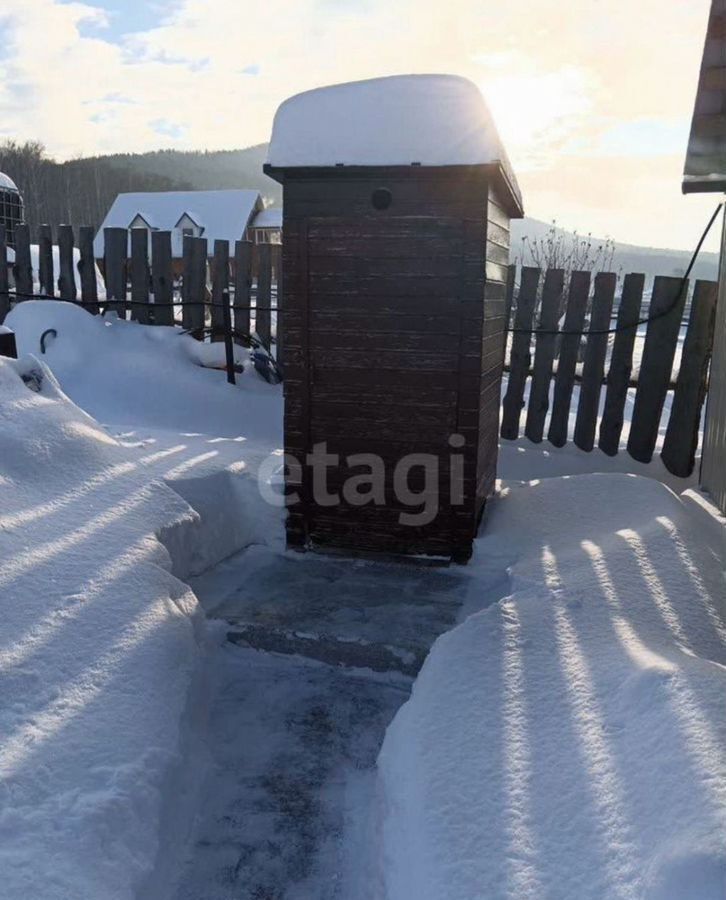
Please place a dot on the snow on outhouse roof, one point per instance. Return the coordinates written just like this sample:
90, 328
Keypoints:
706, 160
268, 218
433, 120
224, 215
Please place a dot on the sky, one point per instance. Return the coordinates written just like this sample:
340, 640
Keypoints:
592, 98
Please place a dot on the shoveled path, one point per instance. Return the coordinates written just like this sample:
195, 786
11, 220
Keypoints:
320, 655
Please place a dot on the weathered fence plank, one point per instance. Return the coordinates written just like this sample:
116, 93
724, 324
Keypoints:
713, 469
46, 276
681, 440
23, 268
140, 310
520, 355
4, 280
621, 364
115, 245
280, 323
162, 279
87, 269
220, 288
194, 285
242, 285
263, 302
666, 313
509, 302
544, 355
66, 268
593, 369
567, 363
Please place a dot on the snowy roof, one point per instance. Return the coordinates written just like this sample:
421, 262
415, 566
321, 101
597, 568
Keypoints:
224, 215
268, 218
7, 182
705, 168
434, 120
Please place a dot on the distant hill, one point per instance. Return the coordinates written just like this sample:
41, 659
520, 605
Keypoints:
80, 191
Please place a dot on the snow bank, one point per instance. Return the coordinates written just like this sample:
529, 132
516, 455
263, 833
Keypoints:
569, 741
435, 120
98, 653
183, 423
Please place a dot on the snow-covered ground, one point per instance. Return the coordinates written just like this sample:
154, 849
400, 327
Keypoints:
569, 739
564, 740
102, 652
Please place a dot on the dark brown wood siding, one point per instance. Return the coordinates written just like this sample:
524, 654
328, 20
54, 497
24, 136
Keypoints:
495, 289
393, 343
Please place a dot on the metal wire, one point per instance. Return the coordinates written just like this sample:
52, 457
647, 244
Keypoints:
644, 321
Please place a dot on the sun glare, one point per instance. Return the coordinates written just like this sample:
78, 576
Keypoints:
535, 111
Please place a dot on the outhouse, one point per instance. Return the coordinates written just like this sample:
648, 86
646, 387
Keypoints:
397, 199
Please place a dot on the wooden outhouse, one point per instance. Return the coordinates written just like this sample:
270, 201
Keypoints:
397, 201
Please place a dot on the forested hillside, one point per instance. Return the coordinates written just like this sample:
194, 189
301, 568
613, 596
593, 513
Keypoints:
81, 191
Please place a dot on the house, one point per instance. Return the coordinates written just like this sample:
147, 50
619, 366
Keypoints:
705, 172
215, 215
267, 226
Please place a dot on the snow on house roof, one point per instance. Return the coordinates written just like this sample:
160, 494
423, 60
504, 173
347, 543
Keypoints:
224, 215
705, 168
7, 182
268, 218
434, 120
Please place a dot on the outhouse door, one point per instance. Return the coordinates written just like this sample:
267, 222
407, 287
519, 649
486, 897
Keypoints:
388, 327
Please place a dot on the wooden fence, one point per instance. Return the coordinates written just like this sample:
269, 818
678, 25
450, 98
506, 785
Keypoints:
593, 351
146, 284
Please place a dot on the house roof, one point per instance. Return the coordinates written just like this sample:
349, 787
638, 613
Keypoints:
705, 169
431, 120
224, 215
7, 183
268, 218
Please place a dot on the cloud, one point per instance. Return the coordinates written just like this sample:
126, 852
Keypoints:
568, 84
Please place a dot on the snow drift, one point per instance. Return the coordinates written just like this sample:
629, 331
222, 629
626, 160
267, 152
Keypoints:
568, 741
98, 655
147, 386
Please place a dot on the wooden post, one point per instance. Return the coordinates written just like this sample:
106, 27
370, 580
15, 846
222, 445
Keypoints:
194, 285
227, 328
66, 276
544, 354
114, 255
263, 302
279, 311
508, 303
669, 296
621, 364
713, 469
46, 276
4, 281
567, 363
220, 288
140, 275
593, 370
87, 269
23, 268
520, 358
162, 279
242, 285
681, 440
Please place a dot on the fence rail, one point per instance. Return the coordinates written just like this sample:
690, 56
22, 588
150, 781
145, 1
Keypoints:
580, 375
146, 284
